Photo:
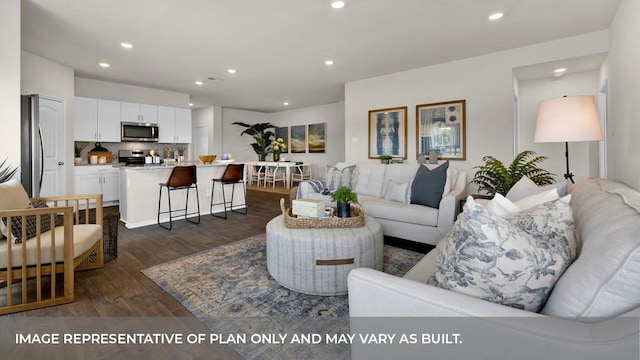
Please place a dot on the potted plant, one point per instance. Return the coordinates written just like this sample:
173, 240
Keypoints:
7, 171
181, 149
78, 147
277, 147
262, 136
343, 197
385, 159
494, 177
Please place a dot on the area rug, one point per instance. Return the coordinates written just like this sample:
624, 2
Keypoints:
229, 289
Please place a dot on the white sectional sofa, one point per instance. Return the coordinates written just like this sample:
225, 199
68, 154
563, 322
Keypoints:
585, 316
402, 220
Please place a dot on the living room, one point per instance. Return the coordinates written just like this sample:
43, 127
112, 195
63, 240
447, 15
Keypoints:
492, 84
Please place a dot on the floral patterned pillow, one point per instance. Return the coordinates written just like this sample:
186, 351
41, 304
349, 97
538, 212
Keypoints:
514, 262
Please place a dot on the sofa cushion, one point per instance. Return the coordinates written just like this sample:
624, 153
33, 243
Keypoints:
370, 180
397, 211
526, 187
505, 208
400, 192
512, 262
336, 178
604, 281
12, 197
428, 185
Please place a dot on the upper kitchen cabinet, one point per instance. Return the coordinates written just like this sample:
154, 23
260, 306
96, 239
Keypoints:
132, 112
174, 125
96, 120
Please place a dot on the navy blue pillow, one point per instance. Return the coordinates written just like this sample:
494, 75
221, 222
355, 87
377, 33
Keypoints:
428, 185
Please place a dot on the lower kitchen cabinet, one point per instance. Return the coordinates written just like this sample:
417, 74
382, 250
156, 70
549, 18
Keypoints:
96, 179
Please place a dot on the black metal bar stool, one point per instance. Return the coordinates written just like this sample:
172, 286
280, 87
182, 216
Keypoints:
181, 178
233, 174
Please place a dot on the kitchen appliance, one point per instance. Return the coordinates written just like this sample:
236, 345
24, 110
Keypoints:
139, 132
138, 157
32, 147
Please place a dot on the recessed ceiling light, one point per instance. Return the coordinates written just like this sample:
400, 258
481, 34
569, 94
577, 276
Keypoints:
328, 62
559, 70
126, 45
104, 64
198, 82
190, 104
231, 71
337, 4
496, 15
285, 103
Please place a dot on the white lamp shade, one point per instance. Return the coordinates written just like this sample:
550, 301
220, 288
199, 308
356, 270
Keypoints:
572, 118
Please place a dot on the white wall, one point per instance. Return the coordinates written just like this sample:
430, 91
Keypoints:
333, 116
129, 93
582, 160
486, 82
47, 78
624, 94
10, 81
239, 146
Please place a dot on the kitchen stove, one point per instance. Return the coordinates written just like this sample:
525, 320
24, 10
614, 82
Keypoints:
134, 157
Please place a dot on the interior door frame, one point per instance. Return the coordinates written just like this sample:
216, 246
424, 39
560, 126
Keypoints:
62, 175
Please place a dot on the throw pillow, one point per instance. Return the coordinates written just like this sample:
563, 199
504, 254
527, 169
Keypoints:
336, 178
526, 187
428, 185
31, 223
511, 262
12, 197
400, 192
505, 208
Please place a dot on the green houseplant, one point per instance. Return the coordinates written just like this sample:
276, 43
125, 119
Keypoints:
343, 197
385, 159
7, 171
494, 177
78, 147
262, 136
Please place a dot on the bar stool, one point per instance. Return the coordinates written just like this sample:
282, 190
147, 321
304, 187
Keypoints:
233, 174
181, 178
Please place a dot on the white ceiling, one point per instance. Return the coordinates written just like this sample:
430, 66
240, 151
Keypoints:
279, 46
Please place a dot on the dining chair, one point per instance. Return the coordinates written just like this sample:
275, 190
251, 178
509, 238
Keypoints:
301, 172
255, 173
274, 172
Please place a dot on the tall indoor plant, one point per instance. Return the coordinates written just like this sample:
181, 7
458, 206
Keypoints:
262, 136
494, 177
7, 171
343, 197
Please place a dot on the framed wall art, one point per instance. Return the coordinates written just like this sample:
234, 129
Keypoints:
283, 132
317, 139
441, 126
298, 139
388, 132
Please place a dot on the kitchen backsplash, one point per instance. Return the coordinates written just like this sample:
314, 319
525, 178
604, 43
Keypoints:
114, 147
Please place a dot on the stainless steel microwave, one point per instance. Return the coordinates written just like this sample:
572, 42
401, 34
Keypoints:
139, 132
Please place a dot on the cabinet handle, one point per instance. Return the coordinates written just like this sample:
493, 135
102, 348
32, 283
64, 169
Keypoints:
95, 136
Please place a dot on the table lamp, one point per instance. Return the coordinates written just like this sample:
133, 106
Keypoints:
568, 119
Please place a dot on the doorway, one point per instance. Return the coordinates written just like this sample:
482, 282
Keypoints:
52, 125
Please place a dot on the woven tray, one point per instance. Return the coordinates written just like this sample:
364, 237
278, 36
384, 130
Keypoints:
293, 222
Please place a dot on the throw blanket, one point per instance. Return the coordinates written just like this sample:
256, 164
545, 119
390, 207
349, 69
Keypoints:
318, 185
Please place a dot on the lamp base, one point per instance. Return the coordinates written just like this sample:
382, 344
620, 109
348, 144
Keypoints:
568, 174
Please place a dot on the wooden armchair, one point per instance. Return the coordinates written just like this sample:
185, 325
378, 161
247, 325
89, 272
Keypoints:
29, 266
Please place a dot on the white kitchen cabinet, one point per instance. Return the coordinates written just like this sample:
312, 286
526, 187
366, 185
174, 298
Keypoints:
96, 120
132, 112
174, 125
95, 179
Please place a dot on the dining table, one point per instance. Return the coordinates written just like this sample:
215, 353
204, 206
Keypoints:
288, 165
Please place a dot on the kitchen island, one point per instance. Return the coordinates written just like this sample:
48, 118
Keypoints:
139, 191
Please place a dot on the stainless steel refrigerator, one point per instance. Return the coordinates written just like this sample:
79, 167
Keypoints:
31, 146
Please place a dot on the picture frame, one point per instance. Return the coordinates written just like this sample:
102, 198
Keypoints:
298, 139
388, 132
283, 132
442, 126
317, 138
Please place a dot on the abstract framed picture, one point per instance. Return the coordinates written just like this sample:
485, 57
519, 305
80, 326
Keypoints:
388, 132
317, 137
283, 132
298, 139
442, 127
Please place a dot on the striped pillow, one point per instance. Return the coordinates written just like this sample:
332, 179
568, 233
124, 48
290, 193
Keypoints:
335, 178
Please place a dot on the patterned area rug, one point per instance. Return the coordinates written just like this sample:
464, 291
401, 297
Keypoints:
229, 289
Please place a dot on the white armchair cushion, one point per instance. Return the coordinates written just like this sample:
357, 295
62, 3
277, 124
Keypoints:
12, 197
512, 262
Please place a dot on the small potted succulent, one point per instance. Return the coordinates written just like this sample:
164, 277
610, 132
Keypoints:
78, 147
343, 198
385, 159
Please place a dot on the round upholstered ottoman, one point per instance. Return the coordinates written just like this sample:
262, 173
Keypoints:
317, 261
